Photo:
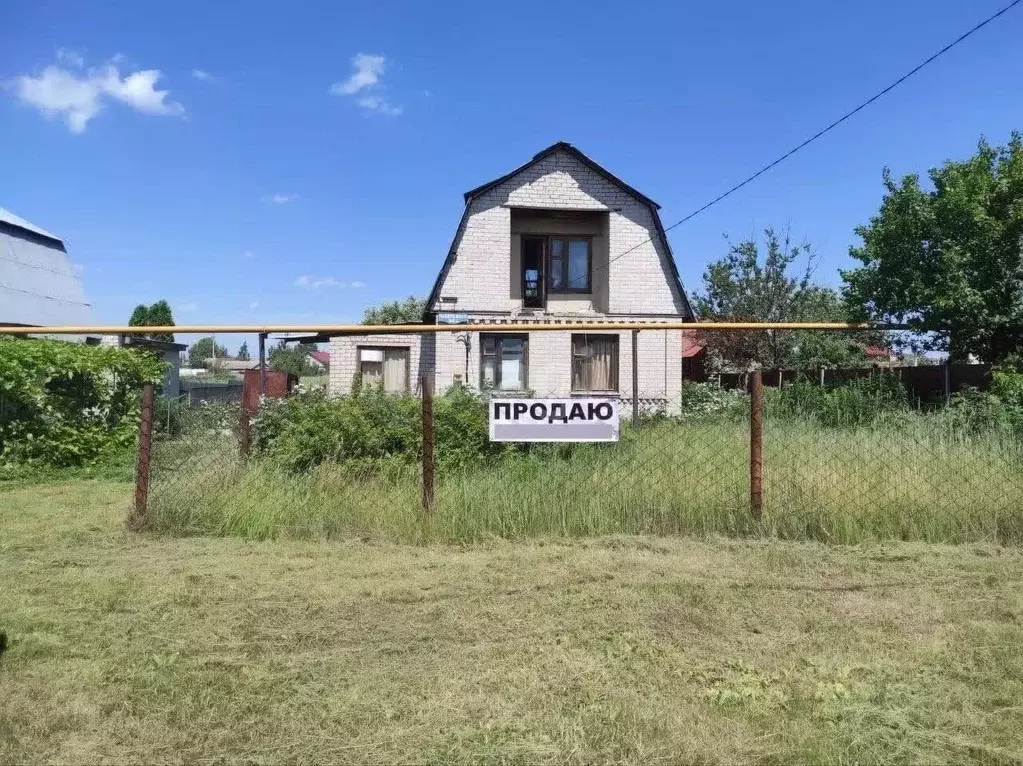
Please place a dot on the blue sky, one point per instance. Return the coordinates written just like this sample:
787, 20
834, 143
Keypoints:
223, 157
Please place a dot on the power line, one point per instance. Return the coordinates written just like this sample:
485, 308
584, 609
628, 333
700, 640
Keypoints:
830, 127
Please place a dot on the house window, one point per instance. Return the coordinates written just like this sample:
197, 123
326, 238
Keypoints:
384, 367
594, 362
569, 264
503, 362
556, 264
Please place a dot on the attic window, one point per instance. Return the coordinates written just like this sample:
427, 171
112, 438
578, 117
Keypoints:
570, 262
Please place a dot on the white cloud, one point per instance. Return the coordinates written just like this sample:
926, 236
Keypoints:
366, 83
357, 284
78, 267
248, 255
254, 305
378, 104
78, 98
204, 76
280, 199
188, 308
368, 71
316, 283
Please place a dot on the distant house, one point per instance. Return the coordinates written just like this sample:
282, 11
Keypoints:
559, 239
236, 366
320, 360
38, 284
881, 356
166, 350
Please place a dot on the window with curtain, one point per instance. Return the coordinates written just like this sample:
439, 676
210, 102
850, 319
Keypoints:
503, 362
594, 362
387, 368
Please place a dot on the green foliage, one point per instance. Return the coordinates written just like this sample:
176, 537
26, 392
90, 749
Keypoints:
748, 286
202, 350
243, 352
157, 315
372, 428
293, 358
948, 259
869, 401
68, 404
408, 311
702, 400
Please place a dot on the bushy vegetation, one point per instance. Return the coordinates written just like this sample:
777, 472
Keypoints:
370, 426
68, 404
844, 464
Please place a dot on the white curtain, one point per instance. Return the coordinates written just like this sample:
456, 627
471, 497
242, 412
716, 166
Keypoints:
384, 366
396, 370
595, 363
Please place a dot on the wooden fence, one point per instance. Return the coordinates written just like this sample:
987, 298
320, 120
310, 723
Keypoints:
926, 382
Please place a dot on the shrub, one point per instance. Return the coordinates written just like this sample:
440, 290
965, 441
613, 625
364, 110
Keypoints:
699, 400
371, 426
862, 402
68, 404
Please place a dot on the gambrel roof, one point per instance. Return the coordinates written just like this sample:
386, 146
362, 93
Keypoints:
560, 146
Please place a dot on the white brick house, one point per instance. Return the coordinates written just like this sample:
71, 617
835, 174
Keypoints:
559, 239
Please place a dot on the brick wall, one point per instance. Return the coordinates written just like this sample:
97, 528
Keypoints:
641, 282
344, 358
549, 357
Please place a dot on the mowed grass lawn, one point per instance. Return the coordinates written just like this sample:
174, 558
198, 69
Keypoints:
128, 648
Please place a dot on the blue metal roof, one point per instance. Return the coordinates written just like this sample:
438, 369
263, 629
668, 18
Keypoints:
6, 216
38, 285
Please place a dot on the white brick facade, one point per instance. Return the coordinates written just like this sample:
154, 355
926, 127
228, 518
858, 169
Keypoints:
482, 279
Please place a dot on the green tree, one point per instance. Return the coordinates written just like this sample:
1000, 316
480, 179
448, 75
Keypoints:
243, 352
293, 358
157, 315
408, 311
202, 350
776, 286
948, 260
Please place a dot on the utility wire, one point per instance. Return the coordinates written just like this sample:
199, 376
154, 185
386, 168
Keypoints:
830, 127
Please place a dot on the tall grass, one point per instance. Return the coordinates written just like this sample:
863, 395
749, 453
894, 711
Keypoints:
917, 481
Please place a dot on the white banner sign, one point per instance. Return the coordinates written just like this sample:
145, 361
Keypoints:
554, 420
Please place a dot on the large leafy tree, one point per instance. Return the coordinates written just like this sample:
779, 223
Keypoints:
243, 352
948, 260
408, 311
293, 358
771, 282
158, 314
203, 349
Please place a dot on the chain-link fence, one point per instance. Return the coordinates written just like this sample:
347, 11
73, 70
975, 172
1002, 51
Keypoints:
839, 458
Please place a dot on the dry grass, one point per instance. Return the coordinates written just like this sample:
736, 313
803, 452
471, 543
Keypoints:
629, 649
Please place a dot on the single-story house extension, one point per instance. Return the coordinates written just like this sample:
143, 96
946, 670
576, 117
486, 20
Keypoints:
558, 239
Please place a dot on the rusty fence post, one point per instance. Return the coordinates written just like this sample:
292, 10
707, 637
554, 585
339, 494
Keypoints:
140, 511
635, 378
244, 431
428, 445
756, 445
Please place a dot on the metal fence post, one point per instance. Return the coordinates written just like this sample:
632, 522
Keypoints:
635, 378
244, 432
756, 445
262, 364
428, 445
140, 511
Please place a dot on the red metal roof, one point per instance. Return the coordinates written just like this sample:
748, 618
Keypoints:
690, 346
322, 357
